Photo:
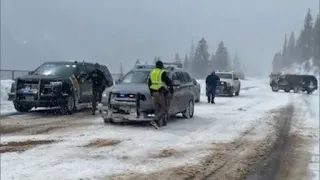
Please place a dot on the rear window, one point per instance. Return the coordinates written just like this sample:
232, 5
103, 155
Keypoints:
135, 77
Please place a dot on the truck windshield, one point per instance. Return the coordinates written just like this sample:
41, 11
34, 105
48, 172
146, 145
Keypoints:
224, 75
136, 77
57, 69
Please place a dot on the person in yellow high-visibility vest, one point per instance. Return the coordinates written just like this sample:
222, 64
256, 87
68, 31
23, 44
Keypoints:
161, 90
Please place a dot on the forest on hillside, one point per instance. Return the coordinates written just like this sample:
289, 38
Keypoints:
300, 49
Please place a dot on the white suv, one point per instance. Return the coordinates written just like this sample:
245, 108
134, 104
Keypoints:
229, 83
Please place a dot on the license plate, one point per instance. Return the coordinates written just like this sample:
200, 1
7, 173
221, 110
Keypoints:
29, 98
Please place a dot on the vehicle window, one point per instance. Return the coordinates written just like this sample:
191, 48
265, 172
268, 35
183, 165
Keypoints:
181, 77
57, 69
175, 76
136, 77
187, 77
224, 75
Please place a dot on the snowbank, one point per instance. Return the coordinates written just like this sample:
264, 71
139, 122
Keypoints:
307, 67
6, 106
5, 88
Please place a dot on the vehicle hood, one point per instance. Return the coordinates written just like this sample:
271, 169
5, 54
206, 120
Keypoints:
130, 87
226, 80
42, 77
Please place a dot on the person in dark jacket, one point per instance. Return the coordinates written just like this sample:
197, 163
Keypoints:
161, 89
98, 81
211, 85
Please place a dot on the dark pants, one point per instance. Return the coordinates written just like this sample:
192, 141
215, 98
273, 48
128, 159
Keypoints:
96, 97
211, 93
160, 106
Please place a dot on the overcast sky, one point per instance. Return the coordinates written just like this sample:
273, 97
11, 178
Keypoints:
111, 31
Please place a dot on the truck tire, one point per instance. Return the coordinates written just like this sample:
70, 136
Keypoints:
238, 92
22, 107
67, 105
287, 90
275, 88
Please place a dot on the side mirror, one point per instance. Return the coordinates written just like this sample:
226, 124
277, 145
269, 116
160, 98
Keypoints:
176, 83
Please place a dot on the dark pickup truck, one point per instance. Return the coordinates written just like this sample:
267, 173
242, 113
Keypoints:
61, 84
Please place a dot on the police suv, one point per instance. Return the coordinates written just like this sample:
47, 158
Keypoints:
130, 98
63, 84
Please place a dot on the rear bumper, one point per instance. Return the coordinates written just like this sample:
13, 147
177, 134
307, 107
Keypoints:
223, 89
108, 114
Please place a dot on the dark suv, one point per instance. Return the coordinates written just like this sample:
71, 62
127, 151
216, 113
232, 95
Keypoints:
130, 99
62, 84
295, 82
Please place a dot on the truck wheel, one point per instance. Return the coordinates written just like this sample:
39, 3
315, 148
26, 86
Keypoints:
22, 107
275, 88
189, 112
238, 92
67, 105
287, 90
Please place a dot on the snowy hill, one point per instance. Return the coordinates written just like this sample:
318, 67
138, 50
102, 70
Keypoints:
307, 67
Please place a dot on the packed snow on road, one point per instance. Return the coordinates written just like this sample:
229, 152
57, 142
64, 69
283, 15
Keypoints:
225, 140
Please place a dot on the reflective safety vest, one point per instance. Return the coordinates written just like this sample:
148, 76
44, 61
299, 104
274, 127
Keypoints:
156, 81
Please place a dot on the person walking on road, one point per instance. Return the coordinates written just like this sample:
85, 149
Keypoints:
98, 85
161, 89
211, 86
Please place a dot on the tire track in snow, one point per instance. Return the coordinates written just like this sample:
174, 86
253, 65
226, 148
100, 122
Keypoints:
234, 160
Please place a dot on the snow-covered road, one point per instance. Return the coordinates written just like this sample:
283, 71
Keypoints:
81, 146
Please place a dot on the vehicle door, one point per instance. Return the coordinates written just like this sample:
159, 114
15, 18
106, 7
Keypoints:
190, 89
181, 91
85, 84
174, 108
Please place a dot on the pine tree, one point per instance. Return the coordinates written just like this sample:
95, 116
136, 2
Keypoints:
221, 60
137, 62
305, 39
201, 58
121, 71
284, 52
276, 63
177, 58
191, 57
291, 53
236, 63
186, 63
316, 37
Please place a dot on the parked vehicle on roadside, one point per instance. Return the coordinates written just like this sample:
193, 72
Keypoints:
62, 84
196, 90
295, 82
229, 84
130, 98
